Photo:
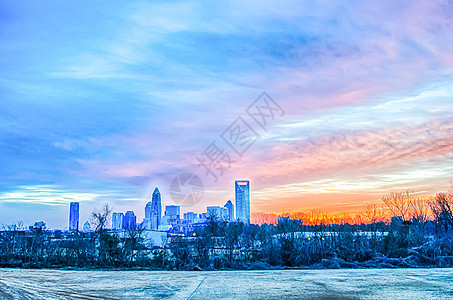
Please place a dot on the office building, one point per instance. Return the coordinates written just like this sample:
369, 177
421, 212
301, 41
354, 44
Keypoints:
203, 217
219, 213
165, 221
146, 223
153, 210
147, 218
242, 189
173, 213
190, 217
130, 220
230, 207
74, 216
86, 227
117, 221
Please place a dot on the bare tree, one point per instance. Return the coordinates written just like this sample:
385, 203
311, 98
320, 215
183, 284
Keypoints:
100, 221
133, 242
442, 209
372, 213
316, 217
100, 218
358, 218
399, 203
419, 209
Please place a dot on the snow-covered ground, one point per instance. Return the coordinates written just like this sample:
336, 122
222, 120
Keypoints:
277, 284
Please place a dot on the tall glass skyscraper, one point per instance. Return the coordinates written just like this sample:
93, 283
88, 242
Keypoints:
130, 220
117, 221
155, 210
229, 205
74, 216
147, 218
242, 188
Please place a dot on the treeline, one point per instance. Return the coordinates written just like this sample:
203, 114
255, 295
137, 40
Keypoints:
415, 238
41, 248
419, 236
406, 204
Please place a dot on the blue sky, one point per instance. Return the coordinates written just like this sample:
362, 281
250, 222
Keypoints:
100, 102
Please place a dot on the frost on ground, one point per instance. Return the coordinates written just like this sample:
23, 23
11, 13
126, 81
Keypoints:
275, 284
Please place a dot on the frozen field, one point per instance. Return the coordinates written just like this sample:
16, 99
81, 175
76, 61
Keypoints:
284, 284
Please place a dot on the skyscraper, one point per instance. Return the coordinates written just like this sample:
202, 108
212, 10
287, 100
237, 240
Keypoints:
229, 205
74, 216
87, 227
147, 218
173, 212
153, 211
190, 217
117, 221
220, 213
242, 188
130, 220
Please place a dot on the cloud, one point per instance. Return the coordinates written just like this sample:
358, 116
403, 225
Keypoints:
44, 195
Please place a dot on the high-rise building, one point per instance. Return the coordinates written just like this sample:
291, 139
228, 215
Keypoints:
86, 227
224, 214
190, 217
147, 219
242, 188
203, 217
173, 212
148, 209
74, 216
218, 212
213, 211
117, 221
153, 210
146, 223
130, 220
165, 221
230, 207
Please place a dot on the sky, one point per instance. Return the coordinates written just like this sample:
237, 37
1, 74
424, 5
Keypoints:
102, 101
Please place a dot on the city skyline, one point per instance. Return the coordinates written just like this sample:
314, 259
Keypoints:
153, 219
102, 105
